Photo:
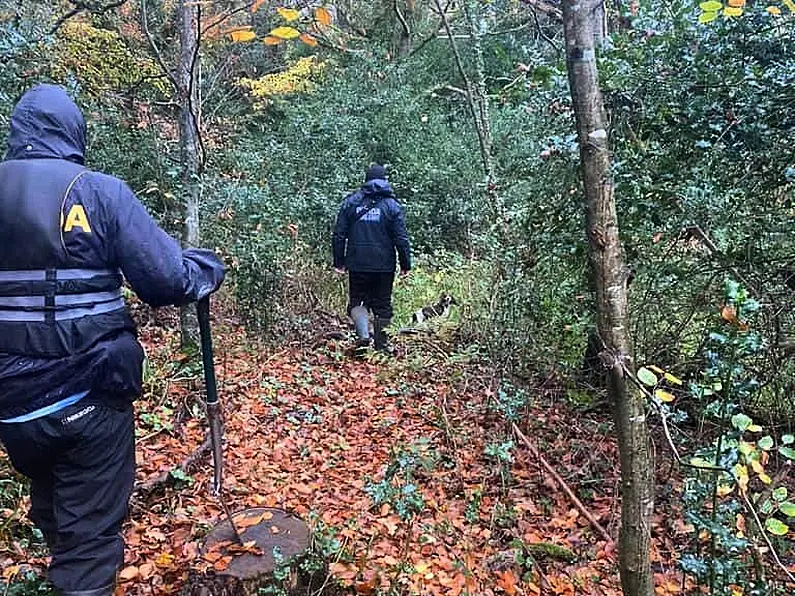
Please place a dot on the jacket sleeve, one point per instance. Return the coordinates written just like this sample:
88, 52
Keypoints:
400, 237
154, 264
340, 236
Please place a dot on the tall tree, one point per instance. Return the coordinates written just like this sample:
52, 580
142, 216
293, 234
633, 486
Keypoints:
189, 23
186, 86
609, 277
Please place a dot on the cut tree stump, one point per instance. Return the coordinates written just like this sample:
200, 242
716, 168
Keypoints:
229, 569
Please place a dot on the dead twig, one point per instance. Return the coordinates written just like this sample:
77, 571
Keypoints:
562, 483
144, 489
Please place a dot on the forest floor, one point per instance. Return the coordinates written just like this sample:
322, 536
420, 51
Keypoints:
312, 431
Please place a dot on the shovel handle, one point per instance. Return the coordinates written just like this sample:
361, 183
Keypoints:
203, 313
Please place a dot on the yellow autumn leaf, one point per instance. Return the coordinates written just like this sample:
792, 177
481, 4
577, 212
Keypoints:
308, 39
790, 4
323, 16
774, 10
665, 396
731, 11
288, 14
656, 369
707, 17
164, 560
672, 379
736, 3
757, 467
765, 478
243, 35
269, 40
725, 489
285, 32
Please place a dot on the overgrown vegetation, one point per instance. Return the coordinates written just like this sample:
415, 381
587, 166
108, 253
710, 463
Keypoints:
705, 174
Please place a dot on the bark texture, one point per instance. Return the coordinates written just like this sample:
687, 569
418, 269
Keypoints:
188, 89
609, 277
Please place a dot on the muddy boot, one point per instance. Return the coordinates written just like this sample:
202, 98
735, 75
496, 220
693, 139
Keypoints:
361, 323
380, 336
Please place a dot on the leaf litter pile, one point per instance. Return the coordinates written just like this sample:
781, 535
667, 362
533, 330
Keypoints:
408, 467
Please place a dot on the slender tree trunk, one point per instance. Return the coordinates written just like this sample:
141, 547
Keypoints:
406, 26
187, 79
609, 276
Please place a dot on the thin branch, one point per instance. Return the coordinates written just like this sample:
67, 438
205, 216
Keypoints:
144, 489
155, 49
773, 552
562, 483
226, 16
402, 19
548, 9
540, 30
82, 7
192, 78
484, 150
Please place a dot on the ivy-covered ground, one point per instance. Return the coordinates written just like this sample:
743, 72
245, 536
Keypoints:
407, 470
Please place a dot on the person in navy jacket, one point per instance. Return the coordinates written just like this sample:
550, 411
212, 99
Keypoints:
70, 363
370, 228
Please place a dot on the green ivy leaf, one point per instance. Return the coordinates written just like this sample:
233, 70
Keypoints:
780, 493
710, 6
776, 527
766, 443
788, 439
707, 17
647, 377
741, 422
754, 428
787, 508
787, 452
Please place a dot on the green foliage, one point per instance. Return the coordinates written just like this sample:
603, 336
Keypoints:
100, 61
27, 584
400, 486
727, 487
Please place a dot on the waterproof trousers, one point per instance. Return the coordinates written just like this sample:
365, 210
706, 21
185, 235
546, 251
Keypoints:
81, 465
373, 290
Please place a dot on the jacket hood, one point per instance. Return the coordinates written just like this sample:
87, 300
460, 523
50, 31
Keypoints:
46, 123
377, 186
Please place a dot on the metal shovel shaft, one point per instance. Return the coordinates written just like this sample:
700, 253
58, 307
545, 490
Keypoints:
213, 406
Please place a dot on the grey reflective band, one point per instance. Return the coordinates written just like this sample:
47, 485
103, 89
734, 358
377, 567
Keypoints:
60, 274
22, 302
99, 309
66, 314
87, 299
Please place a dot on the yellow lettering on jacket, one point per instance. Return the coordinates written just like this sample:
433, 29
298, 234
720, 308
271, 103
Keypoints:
77, 219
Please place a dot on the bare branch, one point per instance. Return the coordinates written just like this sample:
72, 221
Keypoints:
546, 8
402, 19
84, 7
156, 50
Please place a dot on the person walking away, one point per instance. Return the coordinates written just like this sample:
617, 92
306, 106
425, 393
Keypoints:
370, 229
70, 363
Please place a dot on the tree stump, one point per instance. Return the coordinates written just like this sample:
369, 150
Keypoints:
279, 539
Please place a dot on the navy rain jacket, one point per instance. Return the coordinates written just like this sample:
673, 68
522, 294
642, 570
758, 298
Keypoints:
67, 234
370, 226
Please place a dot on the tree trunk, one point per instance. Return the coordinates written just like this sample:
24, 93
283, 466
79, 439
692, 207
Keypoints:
188, 88
609, 277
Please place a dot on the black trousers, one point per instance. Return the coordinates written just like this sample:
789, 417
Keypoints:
81, 465
373, 290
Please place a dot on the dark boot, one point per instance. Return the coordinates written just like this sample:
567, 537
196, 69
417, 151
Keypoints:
380, 336
104, 591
